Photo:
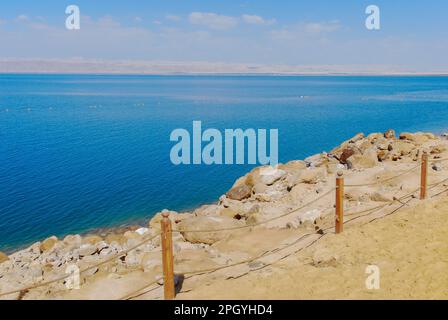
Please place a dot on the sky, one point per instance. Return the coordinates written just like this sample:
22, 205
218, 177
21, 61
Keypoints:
413, 34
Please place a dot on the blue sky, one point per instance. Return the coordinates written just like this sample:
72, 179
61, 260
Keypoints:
320, 32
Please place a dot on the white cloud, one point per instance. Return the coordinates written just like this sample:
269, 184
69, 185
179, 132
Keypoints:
322, 27
172, 17
22, 17
138, 19
254, 19
213, 20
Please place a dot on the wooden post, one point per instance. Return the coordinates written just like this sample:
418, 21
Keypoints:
167, 257
424, 176
339, 203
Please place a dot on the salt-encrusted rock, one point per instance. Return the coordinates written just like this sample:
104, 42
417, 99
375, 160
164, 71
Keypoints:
239, 193
48, 244
389, 134
142, 231
313, 175
380, 197
357, 137
207, 223
3, 257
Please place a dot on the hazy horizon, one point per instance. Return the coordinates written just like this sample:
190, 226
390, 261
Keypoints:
196, 36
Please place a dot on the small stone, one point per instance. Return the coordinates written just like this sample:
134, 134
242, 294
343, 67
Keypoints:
436, 167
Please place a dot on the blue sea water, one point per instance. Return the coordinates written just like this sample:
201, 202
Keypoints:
79, 152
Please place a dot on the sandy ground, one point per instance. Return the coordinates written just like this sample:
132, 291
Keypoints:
410, 247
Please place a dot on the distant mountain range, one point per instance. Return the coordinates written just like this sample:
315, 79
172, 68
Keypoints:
92, 66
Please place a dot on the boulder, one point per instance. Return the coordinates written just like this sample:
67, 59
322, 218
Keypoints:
346, 153
357, 137
239, 193
401, 148
3, 257
417, 138
207, 210
292, 166
175, 218
227, 212
389, 134
367, 160
72, 241
87, 250
91, 239
437, 149
313, 175
150, 261
48, 244
270, 175
207, 223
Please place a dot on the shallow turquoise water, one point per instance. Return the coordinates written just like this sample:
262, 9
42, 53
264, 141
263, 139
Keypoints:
83, 152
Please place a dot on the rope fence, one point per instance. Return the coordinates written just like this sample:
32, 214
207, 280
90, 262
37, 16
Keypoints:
167, 231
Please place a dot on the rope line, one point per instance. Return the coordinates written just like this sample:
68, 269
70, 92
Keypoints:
261, 222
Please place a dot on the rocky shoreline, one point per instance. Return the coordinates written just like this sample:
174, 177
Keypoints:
263, 193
